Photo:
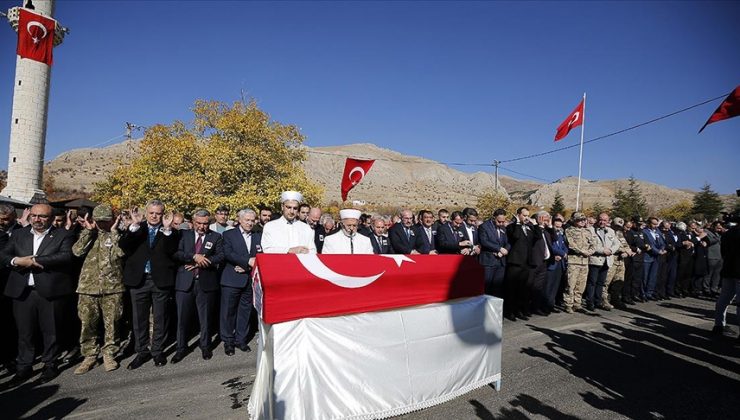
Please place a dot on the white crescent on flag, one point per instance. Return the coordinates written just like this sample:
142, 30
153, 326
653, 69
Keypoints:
38, 24
315, 266
356, 169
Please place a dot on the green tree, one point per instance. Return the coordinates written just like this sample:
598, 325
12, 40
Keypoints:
629, 202
597, 209
234, 155
557, 204
707, 203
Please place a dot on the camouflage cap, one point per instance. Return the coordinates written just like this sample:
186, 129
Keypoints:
618, 221
579, 216
102, 213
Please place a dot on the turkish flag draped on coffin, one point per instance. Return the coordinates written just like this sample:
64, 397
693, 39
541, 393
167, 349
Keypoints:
574, 120
294, 286
35, 37
354, 171
729, 108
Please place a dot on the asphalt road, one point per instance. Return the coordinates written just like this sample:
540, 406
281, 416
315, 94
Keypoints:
654, 361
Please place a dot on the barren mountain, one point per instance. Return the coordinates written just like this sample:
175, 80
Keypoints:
394, 180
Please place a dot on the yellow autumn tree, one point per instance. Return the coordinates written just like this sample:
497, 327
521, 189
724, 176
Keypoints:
489, 202
230, 154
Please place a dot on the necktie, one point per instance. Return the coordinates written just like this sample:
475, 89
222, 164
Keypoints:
152, 235
198, 246
408, 233
248, 241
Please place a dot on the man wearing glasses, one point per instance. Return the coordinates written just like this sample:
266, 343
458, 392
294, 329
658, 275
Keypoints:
39, 257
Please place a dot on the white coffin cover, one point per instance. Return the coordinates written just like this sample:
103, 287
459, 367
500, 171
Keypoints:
377, 364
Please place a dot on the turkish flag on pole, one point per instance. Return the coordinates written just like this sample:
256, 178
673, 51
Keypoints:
729, 108
574, 120
354, 172
35, 37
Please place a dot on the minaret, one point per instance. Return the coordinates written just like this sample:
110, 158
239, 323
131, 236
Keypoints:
28, 119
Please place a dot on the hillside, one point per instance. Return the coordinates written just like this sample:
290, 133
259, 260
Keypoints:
396, 180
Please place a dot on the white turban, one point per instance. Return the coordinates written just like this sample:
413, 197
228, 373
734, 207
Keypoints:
291, 195
349, 214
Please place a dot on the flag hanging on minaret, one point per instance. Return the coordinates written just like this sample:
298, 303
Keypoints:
35, 37
354, 172
729, 108
574, 120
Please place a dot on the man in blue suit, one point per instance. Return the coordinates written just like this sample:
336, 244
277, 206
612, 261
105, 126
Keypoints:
494, 247
426, 233
241, 246
199, 253
402, 236
656, 248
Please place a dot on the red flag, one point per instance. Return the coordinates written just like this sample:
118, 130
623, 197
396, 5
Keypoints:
35, 37
354, 172
729, 108
574, 120
290, 286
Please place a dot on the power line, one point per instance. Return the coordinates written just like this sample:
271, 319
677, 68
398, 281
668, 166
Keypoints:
614, 133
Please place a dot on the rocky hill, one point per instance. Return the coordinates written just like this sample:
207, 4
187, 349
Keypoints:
395, 179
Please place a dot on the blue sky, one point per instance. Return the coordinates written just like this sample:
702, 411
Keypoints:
449, 81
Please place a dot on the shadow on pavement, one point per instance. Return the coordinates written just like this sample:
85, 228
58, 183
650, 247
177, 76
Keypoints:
653, 368
530, 405
18, 402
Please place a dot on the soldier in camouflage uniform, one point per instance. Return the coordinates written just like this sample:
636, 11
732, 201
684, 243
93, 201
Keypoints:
615, 278
100, 287
580, 247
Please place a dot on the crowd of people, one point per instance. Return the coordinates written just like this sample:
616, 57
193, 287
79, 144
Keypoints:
86, 279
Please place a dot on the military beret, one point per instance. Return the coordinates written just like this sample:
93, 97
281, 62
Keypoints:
102, 213
579, 216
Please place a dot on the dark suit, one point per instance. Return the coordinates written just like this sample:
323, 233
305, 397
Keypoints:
652, 261
491, 242
197, 288
448, 239
555, 269
400, 241
539, 258
423, 244
149, 290
382, 247
236, 288
8, 332
669, 265
516, 279
38, 305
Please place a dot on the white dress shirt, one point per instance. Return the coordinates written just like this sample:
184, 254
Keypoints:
278, 236
339, 243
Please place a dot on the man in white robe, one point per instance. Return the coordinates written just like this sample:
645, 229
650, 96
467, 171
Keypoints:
287, 235
347, 240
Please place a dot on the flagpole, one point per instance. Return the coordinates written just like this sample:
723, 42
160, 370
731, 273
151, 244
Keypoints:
580, 155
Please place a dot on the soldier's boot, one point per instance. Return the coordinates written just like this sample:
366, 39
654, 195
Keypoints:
109, 362
87, 364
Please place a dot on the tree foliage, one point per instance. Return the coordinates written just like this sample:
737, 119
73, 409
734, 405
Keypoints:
707, 203
678, 212
489, 202
558, 206
234, 155
629, 202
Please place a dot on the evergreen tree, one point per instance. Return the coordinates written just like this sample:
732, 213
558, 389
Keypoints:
629, 202
557, 204
707, 203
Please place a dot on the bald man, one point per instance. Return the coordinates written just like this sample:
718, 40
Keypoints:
39, 257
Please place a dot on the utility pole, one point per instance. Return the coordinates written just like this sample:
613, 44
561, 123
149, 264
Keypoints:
495, 165
129, 128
